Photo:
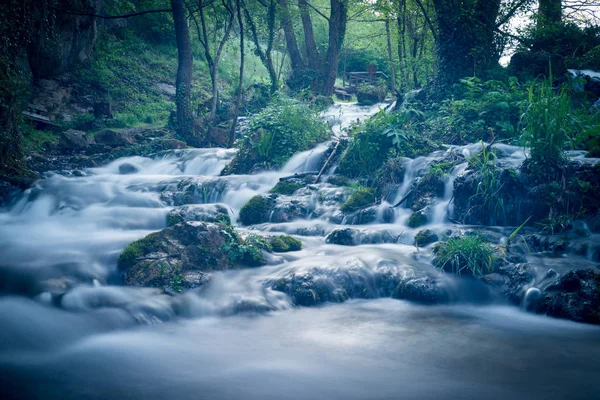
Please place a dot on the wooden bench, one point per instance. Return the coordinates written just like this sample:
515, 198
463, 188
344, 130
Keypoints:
38, 115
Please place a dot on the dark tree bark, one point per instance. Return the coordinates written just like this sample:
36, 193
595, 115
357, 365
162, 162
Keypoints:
298, 64
312, 53
184, 71
337, 32
266, 56
465, 45
238, 99
549, 12
213, 60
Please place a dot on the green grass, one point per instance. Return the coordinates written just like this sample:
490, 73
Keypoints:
470, 255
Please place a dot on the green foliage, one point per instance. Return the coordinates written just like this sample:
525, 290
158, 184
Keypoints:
361, 198
125, 71
486, 197
549, 124
285, 243
286, 187
465, 255
255, 211
274, 135
479, 109
379, 135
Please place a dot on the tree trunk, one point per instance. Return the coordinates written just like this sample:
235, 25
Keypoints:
290, 38
465, 45
389, 49
184, 71
337, 32
266, 56
549, 12
238, 99
309, 37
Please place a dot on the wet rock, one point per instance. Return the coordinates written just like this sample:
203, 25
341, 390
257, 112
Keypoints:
425, 190
257, 210
73, 140
418, 219
420, 289
510, 281
288, 187
127, 168
425, 237
531, 64
218, 136
574, 296
179, 257
215, 213
193, 191
344, 237
317, 285
370, 215
113, 138
172, 144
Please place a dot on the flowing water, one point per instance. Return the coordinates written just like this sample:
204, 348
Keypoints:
110, 341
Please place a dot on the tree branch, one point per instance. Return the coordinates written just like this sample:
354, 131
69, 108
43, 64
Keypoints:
112, 16
429, 23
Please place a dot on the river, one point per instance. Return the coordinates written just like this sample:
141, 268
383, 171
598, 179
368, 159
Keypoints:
110, 341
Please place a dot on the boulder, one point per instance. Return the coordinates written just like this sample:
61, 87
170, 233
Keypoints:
344, 237
127, 168
113, 138
215, 213
73, 140
574, 296
183, 255
218, 136
531, 64
172, 144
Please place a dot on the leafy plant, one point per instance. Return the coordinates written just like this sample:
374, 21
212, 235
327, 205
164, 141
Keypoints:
486, 196
549, 124
464, 255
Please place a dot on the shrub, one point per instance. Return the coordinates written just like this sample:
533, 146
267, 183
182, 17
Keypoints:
486, 198
384, 134
465, 255
274, 135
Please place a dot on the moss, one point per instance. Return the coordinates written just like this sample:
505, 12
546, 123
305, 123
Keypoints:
417, 219
286, 187
360, 199
173, 219
255, 211
425, 237
137, 249
337, 180
285, 243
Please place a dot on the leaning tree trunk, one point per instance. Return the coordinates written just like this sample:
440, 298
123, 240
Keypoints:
337, 32
184, 71
309, 37
296, 60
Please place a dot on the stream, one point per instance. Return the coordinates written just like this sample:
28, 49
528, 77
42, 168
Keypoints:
106, 340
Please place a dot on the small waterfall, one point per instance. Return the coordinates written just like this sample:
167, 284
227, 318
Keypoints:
442, 207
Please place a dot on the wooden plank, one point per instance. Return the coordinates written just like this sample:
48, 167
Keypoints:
37, 108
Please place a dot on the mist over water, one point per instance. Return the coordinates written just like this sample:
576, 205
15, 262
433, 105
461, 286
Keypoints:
238, 338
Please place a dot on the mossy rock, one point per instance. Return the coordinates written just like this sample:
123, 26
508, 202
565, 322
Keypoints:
183, 256
425, 237
256, 210
286, 187
285, 243
418, 219
360, 199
